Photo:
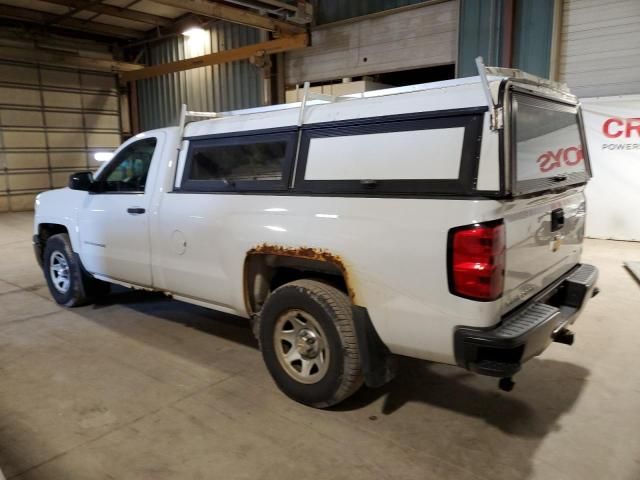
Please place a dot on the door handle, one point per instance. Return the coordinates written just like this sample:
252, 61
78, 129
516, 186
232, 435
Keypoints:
135, 210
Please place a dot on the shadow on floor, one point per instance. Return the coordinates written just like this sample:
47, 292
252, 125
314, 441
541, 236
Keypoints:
545, 389
229, 327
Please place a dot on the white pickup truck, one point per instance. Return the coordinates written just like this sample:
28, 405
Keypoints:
441, 221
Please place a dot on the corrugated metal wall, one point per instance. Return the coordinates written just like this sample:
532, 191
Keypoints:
328, 11
482, 27
52, 120
532, 35
600, 47
216, 88
480, 33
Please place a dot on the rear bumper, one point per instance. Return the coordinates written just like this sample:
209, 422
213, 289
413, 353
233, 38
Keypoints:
528, 331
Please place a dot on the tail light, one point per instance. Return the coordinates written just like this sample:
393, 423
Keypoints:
476, 261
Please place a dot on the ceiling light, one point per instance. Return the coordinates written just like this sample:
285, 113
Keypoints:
275, 228
276, 209
194, 32
103, 156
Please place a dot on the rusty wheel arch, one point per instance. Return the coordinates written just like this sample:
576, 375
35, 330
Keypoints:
273, 257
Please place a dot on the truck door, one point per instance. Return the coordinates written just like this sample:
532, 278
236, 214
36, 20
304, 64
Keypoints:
114, 220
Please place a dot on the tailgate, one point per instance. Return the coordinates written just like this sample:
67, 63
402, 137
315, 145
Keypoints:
544, 223
544, 240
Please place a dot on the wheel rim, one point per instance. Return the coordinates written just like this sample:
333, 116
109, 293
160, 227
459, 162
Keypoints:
59, 272
301, 346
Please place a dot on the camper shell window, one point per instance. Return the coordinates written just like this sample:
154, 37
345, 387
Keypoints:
418, 154
547, 144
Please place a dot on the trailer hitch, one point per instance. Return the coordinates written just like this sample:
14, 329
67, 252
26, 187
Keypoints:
565, 336
506, 384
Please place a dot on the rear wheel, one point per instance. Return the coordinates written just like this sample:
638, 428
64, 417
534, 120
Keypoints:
308, 343
68, 284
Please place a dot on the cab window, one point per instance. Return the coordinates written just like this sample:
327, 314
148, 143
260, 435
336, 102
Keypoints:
257, 162
128, 171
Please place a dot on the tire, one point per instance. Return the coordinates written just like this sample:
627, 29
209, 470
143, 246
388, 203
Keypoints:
69, 285
308, 343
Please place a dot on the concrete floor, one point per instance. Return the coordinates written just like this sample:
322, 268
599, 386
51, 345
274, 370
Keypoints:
140, 387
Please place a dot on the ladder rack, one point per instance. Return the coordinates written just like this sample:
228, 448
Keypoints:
308, 98
486, 75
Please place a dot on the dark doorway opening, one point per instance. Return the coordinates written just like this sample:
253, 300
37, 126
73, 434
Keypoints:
420, 75
403, 78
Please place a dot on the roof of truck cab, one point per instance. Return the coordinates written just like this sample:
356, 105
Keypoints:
445, 95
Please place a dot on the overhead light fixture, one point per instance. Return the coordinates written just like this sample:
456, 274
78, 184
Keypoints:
103, 156
194, 32
275, 228
276, 209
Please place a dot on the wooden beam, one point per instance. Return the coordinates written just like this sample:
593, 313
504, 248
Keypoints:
41, 18
280, 4
48, 57
115, 12
71, 12
278, 45
234, 15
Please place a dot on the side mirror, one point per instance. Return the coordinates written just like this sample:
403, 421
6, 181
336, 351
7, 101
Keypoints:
81, 181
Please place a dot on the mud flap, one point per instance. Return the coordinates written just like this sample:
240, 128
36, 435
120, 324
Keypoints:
378, 363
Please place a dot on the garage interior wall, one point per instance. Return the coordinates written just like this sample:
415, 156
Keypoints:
229, 86
52, 121
532, 36
329, 11
600, 61
600, 47
480, 34
506, 33
411, 38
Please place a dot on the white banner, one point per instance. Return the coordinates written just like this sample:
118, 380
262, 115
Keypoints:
613, 195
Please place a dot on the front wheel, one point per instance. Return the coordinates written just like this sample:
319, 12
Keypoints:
68, 284
308, 343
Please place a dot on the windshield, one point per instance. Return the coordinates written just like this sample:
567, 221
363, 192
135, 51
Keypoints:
548, 146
